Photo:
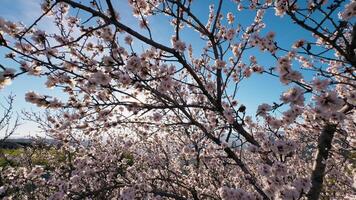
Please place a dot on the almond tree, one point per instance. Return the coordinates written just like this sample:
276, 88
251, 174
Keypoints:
164, 121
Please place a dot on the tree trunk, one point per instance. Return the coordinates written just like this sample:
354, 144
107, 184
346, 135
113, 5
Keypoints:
324, 146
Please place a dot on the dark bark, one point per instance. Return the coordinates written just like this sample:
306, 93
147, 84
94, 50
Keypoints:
318, 174
324, 146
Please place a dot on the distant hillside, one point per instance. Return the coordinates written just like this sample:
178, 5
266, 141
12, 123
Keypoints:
13, 143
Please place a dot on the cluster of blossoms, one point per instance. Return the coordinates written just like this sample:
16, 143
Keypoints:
39, 37
230, 17
349, 12
31, 68
287, 74
263, 109
328, 105
229, 116
264, 43
6, 76
283, 147
294, 96
142, 7
229, 34
231, 193
320, 84
178, 45
42, 101
100, 78
281, 6
220, 64
9, 27
290, 115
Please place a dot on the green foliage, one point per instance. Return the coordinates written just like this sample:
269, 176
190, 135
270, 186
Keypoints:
8, 156
33, 156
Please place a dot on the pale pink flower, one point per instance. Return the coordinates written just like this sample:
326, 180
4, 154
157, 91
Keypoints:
230, 18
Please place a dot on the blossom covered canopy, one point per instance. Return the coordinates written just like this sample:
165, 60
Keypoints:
146, 119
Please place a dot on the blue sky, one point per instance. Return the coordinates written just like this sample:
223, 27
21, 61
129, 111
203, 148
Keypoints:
24, 11
252, 92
